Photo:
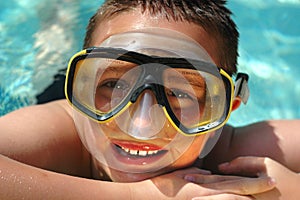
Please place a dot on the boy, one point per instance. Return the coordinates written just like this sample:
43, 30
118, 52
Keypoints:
150, 97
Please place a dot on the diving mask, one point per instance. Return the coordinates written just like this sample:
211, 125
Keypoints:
135, 86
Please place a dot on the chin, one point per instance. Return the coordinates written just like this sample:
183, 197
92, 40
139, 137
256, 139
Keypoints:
120, 176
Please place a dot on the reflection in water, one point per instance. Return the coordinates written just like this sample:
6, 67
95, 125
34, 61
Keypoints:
38, 37
269, 50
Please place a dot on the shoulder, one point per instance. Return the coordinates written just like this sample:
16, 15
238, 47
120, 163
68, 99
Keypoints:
44, 128
58, 110
52, 117
59, 105
276, 139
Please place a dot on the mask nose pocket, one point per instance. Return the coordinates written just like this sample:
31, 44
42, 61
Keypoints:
144, 119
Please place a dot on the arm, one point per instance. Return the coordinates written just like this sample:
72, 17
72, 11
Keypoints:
21, 181
286, 181
267, 149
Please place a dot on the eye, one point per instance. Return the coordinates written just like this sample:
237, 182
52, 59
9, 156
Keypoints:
114, 84
179, 94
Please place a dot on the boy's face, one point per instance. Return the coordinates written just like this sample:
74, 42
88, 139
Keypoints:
133, 21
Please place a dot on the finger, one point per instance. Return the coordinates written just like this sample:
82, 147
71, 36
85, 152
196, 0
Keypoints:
244, 186
202, 179
192, 170
248, 166
224, 196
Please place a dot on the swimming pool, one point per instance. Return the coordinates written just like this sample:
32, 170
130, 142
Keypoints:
37, 38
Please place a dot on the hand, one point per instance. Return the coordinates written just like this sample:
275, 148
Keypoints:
287, 181
175, 186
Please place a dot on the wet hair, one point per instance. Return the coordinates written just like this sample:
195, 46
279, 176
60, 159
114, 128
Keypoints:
211, 15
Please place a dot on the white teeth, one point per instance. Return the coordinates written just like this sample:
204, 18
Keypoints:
137, 152
133, 152
142, 153
152, 152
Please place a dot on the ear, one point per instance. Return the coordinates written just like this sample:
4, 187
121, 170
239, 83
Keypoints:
236, 103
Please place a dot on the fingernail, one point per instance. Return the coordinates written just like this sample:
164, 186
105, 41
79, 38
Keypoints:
189, 178
224, 164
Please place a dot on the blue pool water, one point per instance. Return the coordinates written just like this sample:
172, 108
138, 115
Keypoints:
38, 37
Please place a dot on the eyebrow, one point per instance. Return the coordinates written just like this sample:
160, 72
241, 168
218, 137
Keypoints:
192, 81
118, 66
194, 77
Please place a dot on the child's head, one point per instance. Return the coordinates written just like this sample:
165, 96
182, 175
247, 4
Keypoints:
212, 16
152, 87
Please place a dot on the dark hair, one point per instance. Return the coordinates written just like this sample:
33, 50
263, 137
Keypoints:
212, 15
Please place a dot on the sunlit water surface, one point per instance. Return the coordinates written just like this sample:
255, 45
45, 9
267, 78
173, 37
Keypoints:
38, 37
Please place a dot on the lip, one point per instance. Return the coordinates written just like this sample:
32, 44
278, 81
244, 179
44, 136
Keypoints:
136, 146
133, 153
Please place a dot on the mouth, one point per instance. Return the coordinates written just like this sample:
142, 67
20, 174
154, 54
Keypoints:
141, 153
137, 153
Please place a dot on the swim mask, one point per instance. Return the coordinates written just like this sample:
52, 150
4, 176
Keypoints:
144, 96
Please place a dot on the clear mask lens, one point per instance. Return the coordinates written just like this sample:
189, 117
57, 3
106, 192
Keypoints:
192, 97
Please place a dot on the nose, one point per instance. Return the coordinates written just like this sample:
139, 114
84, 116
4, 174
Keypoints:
144, 119
141, 111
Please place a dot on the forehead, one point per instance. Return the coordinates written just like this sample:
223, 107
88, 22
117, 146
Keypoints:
134, 20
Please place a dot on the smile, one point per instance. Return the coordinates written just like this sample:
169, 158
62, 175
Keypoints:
134, 150
142, 153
